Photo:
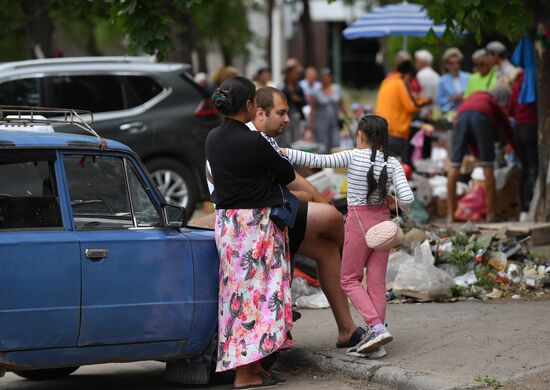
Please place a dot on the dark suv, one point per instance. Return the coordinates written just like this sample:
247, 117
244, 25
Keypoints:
155, 108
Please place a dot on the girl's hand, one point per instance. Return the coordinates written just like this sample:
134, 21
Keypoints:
391, 202
283, 150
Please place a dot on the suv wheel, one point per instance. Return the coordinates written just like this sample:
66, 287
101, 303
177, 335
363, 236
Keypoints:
175, 182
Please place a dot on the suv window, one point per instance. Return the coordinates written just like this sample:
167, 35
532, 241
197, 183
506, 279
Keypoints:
23, 92
99, 195
141, 89
99, 93
28, 191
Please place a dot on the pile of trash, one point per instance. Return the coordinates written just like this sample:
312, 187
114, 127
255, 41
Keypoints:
444, 264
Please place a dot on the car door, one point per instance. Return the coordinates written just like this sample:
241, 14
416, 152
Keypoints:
39, 258
137, 277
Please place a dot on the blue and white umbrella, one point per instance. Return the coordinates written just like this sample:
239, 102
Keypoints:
396, 19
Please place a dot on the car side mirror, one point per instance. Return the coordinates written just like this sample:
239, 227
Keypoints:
173, 216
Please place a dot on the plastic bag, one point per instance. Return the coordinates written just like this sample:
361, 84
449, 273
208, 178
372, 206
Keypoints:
395, 261
418, 213
472, 206
301, 288
315, 301
466, 280
417, 277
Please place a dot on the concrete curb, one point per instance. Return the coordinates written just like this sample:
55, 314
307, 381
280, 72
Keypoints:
370, 370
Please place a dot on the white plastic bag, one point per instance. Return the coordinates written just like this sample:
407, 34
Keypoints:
466, 280
315, 301
417, 277
395, 261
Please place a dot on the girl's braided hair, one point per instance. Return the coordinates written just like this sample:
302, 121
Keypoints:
375, 128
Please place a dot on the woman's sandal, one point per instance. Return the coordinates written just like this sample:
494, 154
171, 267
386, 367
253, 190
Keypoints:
266, 382
353, 340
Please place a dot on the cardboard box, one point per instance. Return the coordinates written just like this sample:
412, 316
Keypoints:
441, 207
508, 203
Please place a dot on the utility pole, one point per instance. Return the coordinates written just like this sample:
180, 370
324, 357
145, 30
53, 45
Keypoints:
277, 41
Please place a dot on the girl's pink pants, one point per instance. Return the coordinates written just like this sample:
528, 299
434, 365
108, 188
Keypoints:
370, 303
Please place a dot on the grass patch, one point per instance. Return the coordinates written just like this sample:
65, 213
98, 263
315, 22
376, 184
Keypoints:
489, 381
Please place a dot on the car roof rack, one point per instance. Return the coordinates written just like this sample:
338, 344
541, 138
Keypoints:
29, 116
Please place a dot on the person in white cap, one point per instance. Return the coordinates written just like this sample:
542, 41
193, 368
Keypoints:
506, 72
498, 52
427, 77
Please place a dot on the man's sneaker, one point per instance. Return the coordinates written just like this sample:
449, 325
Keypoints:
378, 353
373, 339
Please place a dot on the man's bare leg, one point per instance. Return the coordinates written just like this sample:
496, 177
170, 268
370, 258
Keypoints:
323, 223
490, 192
452, 178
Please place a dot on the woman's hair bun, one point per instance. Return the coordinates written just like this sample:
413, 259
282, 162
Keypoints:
222, 101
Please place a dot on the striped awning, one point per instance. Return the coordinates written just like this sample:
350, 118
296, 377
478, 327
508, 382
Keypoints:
396, 19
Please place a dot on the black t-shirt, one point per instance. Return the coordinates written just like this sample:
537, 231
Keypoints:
245, 168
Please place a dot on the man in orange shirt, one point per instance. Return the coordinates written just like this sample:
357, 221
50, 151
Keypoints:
396, 103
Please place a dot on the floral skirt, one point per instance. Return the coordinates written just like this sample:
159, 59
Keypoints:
255, 307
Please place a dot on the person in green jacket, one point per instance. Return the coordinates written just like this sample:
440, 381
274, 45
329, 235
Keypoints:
485, 77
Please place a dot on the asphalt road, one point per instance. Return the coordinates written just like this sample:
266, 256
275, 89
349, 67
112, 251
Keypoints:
149, 376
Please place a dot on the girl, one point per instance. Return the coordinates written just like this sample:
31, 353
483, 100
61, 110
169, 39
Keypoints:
255, 309
370, 173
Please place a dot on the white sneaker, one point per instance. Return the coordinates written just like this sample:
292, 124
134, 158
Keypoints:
373, 339
378, 353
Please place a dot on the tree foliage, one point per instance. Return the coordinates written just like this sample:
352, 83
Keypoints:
510, 17
148, 24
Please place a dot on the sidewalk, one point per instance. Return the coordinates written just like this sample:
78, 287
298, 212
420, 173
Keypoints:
440, 345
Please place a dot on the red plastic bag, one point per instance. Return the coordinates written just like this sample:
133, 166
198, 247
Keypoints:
472, 206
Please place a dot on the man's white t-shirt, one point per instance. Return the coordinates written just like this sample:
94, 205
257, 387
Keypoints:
429, 81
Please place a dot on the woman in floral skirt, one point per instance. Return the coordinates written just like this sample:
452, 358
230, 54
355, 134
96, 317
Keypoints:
254, 299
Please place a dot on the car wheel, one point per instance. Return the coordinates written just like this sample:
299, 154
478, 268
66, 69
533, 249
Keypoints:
175, 182
47, 373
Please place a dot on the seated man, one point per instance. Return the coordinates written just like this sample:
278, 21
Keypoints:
479, 124
318, 231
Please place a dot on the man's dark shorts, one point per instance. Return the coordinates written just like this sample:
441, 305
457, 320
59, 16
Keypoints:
297, 233
473, 127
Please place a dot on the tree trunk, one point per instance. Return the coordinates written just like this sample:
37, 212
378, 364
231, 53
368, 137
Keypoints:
542, 198
182, 38
305, 22
91, 42
203, 66
227, 56
38, 26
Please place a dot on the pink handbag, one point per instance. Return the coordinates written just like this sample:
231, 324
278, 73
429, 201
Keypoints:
384, 235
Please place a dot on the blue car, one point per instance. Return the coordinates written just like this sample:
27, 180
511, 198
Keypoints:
95, 267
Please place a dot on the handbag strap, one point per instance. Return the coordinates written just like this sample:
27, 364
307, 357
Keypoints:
359, 219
